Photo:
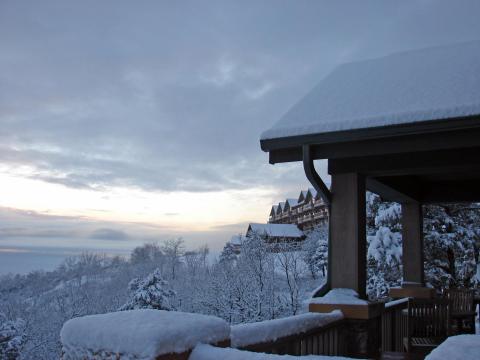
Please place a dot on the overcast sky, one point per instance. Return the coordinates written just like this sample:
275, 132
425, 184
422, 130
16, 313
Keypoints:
130, 121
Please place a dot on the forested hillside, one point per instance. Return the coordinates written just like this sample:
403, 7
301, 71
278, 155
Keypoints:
255, 285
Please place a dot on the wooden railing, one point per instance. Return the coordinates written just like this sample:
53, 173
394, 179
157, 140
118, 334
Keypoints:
394, 325
326, 339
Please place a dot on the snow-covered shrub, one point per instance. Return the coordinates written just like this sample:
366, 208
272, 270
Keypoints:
11, 338
151, 292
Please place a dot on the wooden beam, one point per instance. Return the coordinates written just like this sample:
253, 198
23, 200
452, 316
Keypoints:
451, 191
347, 231
395, 189
410, 163
350, 144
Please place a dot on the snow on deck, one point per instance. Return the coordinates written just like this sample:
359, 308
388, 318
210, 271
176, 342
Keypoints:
420, 85
461, 347
340, 296
208, 352
271, 330
139, 334
277, 230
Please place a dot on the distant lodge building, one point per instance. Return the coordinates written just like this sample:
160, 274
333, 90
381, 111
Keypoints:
289, 221
277, 233
308, 211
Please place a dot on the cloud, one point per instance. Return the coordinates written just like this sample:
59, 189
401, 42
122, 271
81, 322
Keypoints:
109, 234
151, 97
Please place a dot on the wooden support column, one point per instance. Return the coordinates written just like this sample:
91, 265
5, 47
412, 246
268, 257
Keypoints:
412, 238
347, 231
413, 284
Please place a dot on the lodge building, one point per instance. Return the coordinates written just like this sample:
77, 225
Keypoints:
307, 211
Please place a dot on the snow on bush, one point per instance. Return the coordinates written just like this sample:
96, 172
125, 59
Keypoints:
208, 352
139, 334
271, 330
150, 293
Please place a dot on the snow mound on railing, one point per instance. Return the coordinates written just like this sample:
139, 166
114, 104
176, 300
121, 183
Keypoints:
340, 296
207, 352
271, 330
139, 334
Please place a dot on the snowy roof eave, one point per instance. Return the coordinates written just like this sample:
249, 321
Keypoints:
419, 91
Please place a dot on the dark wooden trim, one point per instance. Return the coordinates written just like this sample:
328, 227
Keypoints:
392, 144
399, 190
412, 128
410, 163
451, 191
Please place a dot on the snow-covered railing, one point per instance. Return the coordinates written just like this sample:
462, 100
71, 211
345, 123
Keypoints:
141, 334
306, 334
394, 325
208, 352
171, 335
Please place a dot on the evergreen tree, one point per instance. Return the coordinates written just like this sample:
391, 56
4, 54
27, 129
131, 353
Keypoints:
228, 254
11, 338
150, 293
384, 241
452, 239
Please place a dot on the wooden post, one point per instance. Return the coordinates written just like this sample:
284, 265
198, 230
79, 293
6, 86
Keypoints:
413, 284
347, 231
412, 237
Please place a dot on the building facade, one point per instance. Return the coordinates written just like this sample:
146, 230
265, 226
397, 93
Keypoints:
307, 211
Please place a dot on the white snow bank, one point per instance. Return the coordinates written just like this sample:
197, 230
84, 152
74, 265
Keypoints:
461, 347
340, 296
270, 330
208, 352
139, 334
420, 85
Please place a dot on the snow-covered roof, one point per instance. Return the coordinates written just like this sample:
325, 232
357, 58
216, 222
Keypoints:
277, 230
139, 334
274, 209
420, 85
280, 207
292, 202
236, 240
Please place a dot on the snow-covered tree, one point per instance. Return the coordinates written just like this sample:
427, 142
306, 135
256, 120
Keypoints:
256, 266
173, 250
290, 264
12, 338
151, 292
452, 242
315, 248
384, 241
228, 254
